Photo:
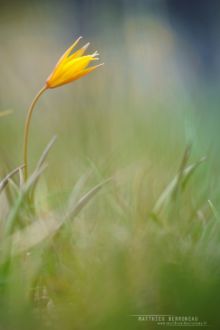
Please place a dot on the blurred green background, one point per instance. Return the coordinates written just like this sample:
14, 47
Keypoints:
132, 120
160, 74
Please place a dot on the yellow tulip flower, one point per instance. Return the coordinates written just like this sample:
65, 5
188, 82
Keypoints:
70, 67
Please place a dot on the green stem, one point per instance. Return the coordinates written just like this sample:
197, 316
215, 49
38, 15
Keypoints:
27, 129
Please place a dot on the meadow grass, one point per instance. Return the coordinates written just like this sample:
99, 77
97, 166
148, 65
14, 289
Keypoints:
132, 229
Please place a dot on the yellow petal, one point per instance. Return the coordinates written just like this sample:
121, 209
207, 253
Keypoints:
78, 64
76, 69
68, 51
72, 69
59, 66
88, 70
79, 52
79, 75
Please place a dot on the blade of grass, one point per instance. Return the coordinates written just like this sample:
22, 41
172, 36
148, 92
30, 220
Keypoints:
46, 152
4, 182
168, 191
76, 208
41, 162
183, 165
213, 209
23, 193
40, 230
14, 186
78, 188
21, 177
188, 176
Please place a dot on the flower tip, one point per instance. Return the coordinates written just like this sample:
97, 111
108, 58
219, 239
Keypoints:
86, 46
98, 65
95, 54
77, 40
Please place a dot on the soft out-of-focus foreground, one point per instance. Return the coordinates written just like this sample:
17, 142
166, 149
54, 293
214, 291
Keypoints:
122, 218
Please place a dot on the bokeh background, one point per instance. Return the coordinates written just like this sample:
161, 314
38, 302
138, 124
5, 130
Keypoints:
131, 119
161, 73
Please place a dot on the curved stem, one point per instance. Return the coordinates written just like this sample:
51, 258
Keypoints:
27, 129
